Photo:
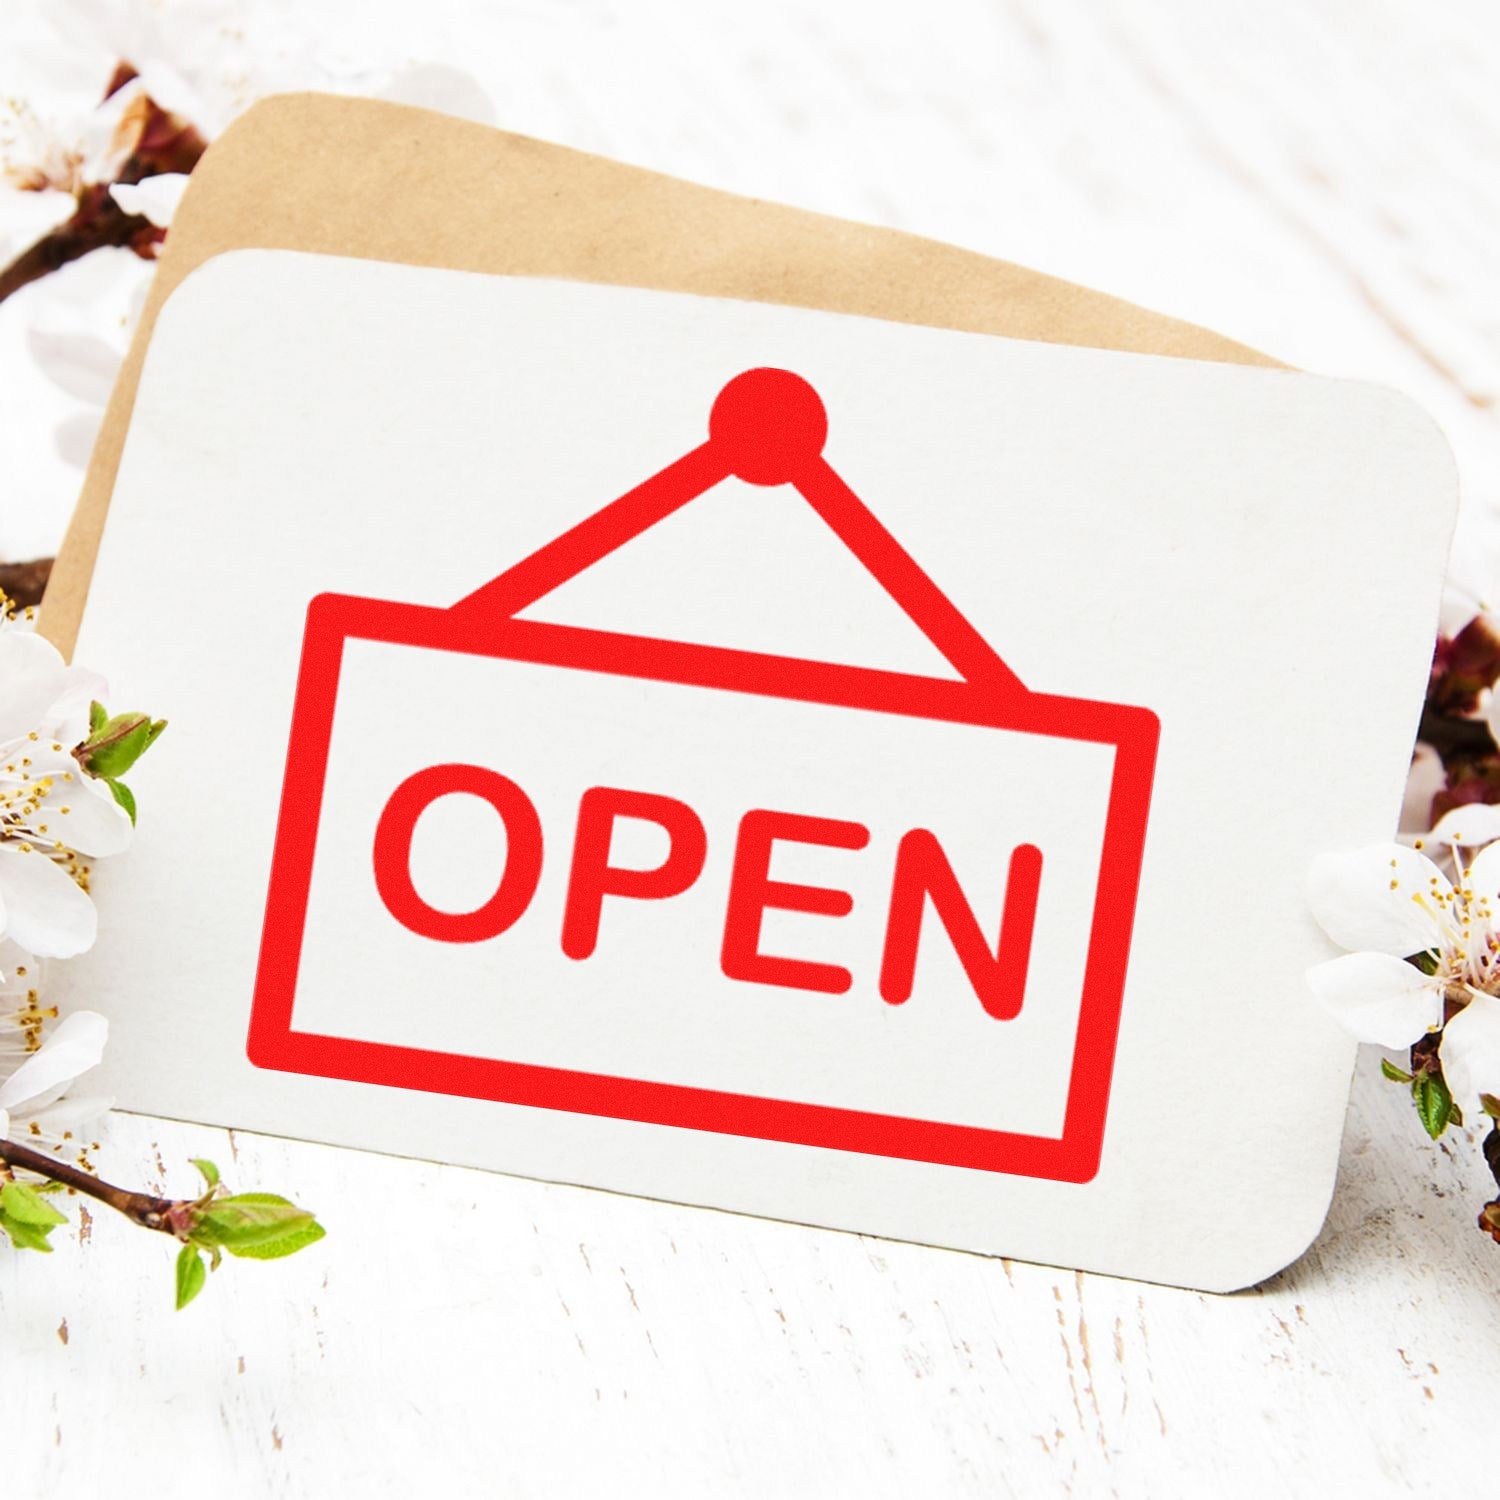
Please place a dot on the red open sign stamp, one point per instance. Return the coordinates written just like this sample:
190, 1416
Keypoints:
767, 427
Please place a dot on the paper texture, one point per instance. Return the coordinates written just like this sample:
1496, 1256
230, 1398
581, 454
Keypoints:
362, 178
1253, 555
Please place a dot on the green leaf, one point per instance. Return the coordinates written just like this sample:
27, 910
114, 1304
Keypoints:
26, 1218
1427, 962
289, 1243
1435, 1106
191, 1274
209, 1171
123, 795
249, 1220
113, 750
22, 1202
25, 1236
1490, 1105
1392, 1072
98, 717
156, 733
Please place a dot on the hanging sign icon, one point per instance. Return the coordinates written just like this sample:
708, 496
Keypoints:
634, 931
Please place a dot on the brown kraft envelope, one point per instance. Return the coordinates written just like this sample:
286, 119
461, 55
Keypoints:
359, 177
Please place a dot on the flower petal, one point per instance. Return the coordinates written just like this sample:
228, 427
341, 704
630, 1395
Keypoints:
1482, 876
27, 217
1423, 782
76, 1046
1471, 825
94, 824
60, 1125
1378, 998
441, 87
1470, 1051
44, 910
19, 970
81, 364
39, 692
1384, 898
31, 678
74, 437
67, 717
156, 198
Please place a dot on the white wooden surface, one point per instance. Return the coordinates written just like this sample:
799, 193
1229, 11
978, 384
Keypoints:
1320, 180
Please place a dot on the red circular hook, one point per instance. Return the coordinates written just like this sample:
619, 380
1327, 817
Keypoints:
769, 425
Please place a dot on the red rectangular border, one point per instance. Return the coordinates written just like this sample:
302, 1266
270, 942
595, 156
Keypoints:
274, 1044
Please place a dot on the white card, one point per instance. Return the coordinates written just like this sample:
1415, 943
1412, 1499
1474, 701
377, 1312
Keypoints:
664, 808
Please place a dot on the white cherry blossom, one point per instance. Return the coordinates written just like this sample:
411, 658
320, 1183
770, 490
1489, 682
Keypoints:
23, 1016
36, 1107
1424, 950
53, 817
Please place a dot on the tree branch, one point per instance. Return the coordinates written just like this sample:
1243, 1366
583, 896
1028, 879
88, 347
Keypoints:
163, 1214
98, 223
24, 583
1453, 736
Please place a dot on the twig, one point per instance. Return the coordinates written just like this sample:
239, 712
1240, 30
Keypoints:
24, 583
1451, 736
163, 142
99, 223
163, 1214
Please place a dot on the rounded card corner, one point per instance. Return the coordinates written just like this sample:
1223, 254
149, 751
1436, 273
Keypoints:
1298, 1232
